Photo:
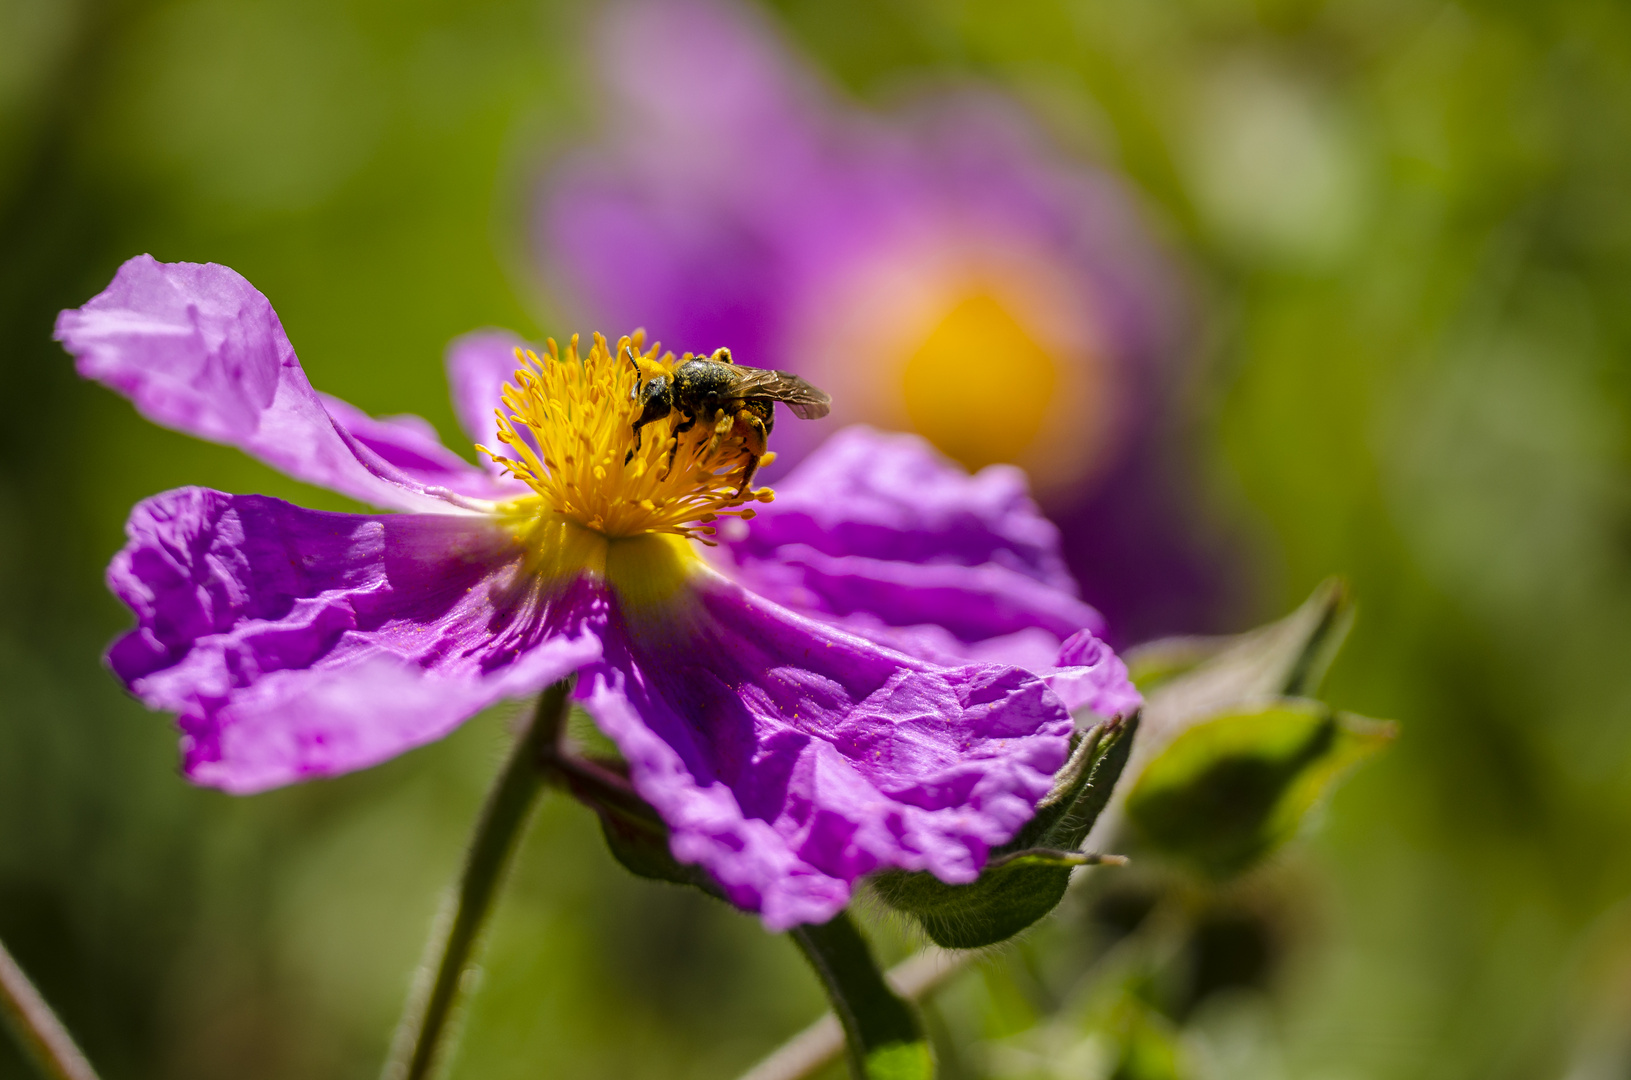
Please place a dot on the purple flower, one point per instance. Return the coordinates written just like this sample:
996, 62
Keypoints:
940, 270
878, 671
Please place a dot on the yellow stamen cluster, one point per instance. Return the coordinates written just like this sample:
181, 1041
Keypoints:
567, 422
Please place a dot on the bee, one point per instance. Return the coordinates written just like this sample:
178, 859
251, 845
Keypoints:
730, 398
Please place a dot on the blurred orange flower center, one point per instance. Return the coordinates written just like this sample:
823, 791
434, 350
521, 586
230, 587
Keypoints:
979, 385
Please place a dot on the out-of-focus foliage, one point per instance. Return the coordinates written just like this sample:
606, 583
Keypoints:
1231, 789
1406, 221
1239, 751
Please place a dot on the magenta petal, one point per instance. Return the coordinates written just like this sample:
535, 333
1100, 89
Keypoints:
295, 643
1091, 676
478, 366
195, 347
789, 758
880, 533
411, 444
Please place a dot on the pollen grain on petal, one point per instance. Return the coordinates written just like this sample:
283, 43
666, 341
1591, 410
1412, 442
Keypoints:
566, 423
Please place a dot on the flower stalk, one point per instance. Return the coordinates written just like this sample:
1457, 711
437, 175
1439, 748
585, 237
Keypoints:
42, 1037
424, 1028
882, 1036
915, 980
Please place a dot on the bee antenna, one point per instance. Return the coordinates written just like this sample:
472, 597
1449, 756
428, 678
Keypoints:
635, 364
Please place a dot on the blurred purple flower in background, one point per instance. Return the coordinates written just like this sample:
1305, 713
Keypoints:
941, 271
880, 673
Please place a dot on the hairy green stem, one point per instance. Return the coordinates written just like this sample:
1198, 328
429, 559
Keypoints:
882, 1035
416, 1050
41, 1034
914, 979
920, 976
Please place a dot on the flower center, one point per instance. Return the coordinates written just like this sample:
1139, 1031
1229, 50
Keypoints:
568, 429
992, 348
979, 386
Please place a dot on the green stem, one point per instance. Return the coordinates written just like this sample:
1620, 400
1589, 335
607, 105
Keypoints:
424, 1025
37, 1028
883, 1037
916, 979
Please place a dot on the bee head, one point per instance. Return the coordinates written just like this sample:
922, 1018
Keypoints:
656, 400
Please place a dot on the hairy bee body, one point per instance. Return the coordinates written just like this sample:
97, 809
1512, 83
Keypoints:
730, 398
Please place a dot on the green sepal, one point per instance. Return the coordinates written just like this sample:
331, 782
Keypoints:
636, 836
641, 846
1230, 789
1081, 789
1027, 877
590, 767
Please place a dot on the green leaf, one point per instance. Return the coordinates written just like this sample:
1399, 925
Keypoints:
1027, 877
1227, 791
1189, 677
881, 1032
1188, 680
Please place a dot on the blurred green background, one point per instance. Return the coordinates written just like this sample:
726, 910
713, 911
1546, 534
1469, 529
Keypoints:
1409, 226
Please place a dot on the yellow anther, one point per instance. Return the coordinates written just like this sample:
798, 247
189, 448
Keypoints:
567, 428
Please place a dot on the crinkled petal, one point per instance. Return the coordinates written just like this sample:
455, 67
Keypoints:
195, 347
880, 533
295, 643
411, 444
790, 758
1089, 675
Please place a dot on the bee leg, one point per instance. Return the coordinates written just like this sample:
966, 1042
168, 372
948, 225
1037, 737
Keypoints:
638, 424
750, 465
722, 427
634, 395
674, 447
756, 436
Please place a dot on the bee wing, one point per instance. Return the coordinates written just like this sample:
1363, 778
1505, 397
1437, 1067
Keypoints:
806, 401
